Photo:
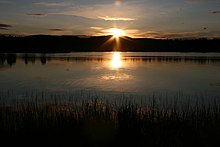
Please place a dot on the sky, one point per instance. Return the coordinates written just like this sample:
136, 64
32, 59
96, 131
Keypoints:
138, 18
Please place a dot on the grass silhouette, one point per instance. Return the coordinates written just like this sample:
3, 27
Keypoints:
98, 122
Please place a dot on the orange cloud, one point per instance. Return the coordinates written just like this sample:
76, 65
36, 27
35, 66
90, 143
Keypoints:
107, 18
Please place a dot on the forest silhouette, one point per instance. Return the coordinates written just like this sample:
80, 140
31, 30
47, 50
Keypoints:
65, 44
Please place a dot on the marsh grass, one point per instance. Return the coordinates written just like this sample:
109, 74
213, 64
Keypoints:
98, 122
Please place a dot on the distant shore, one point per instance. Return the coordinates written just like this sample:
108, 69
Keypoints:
66, 44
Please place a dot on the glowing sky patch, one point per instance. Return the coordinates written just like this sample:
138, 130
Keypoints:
117, 2
145, 18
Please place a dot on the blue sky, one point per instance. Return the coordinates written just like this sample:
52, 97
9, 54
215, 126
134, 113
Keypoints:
139, 18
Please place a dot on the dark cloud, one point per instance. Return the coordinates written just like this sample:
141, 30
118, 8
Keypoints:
196, 34
36, 14
56, 29
215, 12
4, 26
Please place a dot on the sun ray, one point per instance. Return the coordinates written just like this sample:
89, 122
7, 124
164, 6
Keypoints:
116, 34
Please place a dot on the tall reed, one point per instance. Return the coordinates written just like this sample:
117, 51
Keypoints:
100, 122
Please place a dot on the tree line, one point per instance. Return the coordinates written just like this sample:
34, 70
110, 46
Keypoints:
65, 44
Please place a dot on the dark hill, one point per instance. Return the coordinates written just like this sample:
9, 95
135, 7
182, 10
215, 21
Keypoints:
64, 44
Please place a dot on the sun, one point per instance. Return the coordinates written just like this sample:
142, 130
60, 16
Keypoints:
117, 32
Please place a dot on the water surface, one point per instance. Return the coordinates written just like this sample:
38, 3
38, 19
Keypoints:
112, 72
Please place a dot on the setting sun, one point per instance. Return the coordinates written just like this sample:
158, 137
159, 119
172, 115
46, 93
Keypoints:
117, 32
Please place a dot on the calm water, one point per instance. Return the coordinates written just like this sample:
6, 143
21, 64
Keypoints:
108, 73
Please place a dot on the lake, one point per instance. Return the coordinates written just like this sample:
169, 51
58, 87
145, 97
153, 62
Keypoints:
111, 73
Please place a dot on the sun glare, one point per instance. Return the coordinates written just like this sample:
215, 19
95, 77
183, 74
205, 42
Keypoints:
116, 61
117, 32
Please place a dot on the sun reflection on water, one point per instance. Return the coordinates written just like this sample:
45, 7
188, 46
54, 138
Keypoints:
114, 74
118, 77
116, 61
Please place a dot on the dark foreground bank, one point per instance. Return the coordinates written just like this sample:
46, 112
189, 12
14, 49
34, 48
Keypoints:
101, 123
65, 44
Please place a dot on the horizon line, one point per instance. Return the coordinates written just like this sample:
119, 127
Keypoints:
90, 36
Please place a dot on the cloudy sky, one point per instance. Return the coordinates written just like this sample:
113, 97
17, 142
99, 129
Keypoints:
139, 18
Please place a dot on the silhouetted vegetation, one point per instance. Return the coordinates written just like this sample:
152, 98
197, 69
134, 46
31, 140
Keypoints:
95, 122
44, 58
64, 44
